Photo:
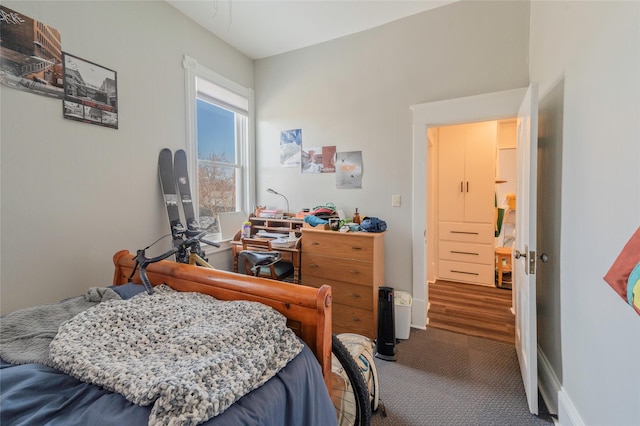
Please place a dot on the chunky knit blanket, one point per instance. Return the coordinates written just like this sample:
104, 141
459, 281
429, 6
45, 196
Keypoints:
188, 354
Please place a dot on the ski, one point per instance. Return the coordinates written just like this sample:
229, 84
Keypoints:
168, 185
181, 172
182, 180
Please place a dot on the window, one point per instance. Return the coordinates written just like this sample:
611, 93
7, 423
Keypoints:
219, 144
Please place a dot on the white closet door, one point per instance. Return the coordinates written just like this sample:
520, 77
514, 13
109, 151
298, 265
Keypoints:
451, 146
480, 172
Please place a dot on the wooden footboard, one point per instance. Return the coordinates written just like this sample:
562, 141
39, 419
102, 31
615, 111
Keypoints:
307, 309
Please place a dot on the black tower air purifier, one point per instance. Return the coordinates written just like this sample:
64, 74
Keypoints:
386, 341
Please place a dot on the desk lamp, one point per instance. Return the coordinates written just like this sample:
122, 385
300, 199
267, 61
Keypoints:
271, 191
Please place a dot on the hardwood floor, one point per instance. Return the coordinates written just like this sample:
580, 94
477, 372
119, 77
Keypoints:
471, 309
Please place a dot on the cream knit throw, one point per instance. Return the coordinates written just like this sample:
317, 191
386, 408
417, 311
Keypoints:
188, 354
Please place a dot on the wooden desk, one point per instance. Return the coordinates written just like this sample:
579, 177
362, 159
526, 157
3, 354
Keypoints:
292, 255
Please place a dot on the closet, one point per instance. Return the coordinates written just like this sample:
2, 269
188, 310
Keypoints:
466, 201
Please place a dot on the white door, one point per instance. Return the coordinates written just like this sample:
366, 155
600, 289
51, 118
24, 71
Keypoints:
525, 246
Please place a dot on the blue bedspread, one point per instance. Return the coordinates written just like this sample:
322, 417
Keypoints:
34, 394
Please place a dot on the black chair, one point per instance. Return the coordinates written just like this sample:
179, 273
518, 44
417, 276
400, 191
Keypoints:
257, 258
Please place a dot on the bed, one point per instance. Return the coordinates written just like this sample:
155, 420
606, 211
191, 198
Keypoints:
33, 393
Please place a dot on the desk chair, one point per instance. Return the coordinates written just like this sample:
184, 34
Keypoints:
277, 271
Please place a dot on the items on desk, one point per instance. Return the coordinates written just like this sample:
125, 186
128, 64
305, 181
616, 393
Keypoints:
373, 224
314, 220
356, 217
246, 229
266, 234
284, 242
271, 214
325, 211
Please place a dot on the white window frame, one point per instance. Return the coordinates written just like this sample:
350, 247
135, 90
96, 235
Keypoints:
246, 154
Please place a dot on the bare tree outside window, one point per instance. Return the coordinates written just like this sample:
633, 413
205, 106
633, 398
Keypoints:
216, 188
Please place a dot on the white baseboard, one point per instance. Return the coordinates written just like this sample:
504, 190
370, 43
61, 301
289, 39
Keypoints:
555, 396
567, 413
548, 383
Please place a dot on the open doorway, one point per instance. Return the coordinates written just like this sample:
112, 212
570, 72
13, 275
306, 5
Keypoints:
488, 107
471, 231
492, 106
472, 191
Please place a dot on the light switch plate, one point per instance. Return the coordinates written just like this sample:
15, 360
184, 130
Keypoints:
396, 200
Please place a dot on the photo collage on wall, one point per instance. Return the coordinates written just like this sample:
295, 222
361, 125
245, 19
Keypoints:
321, 159
32, 60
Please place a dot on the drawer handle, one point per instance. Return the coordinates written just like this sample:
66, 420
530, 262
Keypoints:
354, 319
464, 272
352, 272
464, 232
355, 295
465, 252
314, 243
313, 265
356, 248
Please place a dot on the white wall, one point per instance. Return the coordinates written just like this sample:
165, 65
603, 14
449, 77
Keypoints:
595, 48
73, 194
355, 93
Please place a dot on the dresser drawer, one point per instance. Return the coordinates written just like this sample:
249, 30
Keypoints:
353, 246
466, 252
467, 232
347, 319
466, 272
358, 296
339, 269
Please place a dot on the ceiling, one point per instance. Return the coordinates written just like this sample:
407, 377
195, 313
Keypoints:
263, 28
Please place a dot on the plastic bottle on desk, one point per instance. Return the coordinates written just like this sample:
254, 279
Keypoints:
356, 217
246, 229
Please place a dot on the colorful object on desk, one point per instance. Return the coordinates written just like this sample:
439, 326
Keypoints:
246, 229
315, 220
325, 211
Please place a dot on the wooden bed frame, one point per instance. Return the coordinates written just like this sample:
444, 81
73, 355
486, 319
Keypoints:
308, 309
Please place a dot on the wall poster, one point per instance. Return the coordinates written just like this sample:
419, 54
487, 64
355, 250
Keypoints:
349, 170
318, 159
290, 147
30, 55
90, 92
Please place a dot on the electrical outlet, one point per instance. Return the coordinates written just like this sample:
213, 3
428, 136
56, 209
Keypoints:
396, 200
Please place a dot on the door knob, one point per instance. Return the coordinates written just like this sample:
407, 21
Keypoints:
544, 257
518, 255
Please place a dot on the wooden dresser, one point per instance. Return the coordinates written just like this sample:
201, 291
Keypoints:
352, 264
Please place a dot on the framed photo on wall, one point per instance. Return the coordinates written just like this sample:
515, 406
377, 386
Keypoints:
31, 55
90, 92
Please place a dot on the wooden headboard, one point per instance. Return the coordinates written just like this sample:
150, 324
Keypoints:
308, 309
